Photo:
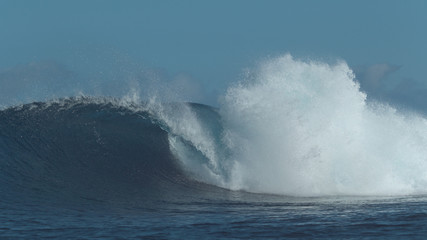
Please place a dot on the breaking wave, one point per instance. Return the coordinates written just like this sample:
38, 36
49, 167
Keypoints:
292, 127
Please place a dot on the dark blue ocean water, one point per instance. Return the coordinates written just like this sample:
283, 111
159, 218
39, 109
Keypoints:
92, 169
235, 218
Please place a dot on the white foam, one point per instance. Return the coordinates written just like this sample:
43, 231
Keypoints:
304, 128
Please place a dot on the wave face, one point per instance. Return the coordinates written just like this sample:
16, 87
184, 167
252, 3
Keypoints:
86, 148
299, 128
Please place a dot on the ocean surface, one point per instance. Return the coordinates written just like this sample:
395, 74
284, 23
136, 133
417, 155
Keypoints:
296, 151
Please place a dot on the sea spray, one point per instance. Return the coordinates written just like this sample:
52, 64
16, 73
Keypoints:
305, 128
300, 128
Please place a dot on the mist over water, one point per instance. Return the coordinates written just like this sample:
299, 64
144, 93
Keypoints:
304, 128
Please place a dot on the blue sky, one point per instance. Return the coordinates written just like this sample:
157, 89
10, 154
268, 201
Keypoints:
205, 44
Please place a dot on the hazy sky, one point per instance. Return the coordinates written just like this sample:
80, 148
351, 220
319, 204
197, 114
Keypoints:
210, 42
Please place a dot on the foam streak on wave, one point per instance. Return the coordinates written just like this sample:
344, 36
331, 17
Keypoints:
194, 138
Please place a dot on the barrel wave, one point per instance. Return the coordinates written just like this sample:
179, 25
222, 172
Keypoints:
86, 149
291, 127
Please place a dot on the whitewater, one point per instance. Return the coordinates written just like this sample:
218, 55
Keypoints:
302, 128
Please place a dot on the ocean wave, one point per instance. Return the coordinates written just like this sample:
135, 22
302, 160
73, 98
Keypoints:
293, 127
86, 147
